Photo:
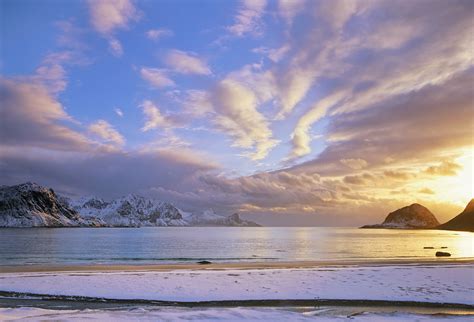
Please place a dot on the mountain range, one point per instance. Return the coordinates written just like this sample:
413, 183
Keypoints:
32, 205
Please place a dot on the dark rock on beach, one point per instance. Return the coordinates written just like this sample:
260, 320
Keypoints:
204, 262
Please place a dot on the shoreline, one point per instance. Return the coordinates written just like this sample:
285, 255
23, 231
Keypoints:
227, 265
419, 284
21, 297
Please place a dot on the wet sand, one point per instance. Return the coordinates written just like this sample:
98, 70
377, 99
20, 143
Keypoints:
224, 266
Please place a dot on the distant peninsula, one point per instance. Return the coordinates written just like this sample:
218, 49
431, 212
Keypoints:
464, 221
416, 216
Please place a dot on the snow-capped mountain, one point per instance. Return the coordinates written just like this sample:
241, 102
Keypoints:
211, 218
31, 205
131, 210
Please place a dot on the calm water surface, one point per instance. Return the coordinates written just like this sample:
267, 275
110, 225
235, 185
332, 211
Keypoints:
225, 244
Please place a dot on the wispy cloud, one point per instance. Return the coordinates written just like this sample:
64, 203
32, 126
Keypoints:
115, 47
289, 9
248, 18
106, 132
237, 116
355, 164
107, 16
155, 34
118, 111
156, 77
186, 63
154, 118
446, 168
71, 36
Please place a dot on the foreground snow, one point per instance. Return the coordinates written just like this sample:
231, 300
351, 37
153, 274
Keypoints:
453, 283
223, 314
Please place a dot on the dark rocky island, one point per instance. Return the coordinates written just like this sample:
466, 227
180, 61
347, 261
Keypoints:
414, 216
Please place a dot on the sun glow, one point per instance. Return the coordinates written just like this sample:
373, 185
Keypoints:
458, 189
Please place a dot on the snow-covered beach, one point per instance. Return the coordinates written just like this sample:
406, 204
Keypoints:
233, 314
433, 285
441, 283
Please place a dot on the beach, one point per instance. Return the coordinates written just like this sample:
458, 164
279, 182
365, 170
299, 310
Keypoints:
229, 265
280, 290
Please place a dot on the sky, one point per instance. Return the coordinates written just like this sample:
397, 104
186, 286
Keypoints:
290, 112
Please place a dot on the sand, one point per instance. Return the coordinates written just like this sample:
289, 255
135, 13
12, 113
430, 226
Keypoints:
224, 266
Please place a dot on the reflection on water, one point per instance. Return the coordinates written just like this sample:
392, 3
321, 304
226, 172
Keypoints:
181, 244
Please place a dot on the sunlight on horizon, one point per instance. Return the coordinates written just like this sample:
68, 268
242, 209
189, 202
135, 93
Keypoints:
458, 189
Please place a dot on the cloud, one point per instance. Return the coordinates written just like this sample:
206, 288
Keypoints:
446, 168
232, 105
156, 77
53, 76
289, 9
186, 63
155, 34
237, 116
363, 179
115, 47
338, 12
52, 73
32, 116
387, 90
399, 175
301, 137
355, 164
261, 83
373, 65
427, 191
414, 127
248, 18
107, 133
275, 54
153, 117
107, 16
70, 35
197, 103
118, 111
126, 172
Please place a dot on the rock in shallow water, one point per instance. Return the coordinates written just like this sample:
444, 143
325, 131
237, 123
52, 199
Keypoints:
204, 262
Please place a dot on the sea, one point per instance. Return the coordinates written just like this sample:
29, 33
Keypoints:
166, 245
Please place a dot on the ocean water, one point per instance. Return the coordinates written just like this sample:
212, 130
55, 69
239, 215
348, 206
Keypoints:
63, 246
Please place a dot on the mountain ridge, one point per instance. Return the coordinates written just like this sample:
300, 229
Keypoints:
32, 205
462, 222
